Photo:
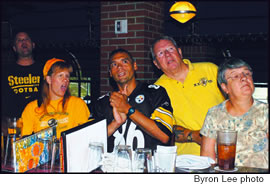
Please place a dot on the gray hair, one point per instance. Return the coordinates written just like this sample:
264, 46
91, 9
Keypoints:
157, 40
230, 63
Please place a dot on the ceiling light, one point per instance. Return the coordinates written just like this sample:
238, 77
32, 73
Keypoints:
182, 11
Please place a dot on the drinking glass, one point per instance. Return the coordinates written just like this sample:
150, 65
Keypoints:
9, 152
165, 161
14, 127
55, 161
226, 143
123, 159
142, 161
46, 155
95, 153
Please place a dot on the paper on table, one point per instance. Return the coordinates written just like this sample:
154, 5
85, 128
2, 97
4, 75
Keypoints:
166, 149
193, 162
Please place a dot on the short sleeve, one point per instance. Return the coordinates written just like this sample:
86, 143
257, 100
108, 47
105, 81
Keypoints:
163, 112
82, 112
208, 129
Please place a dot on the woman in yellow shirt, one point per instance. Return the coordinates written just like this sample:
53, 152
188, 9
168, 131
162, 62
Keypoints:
56, 105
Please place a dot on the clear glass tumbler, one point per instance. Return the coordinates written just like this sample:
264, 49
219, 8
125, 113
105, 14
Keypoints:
142, 162
123, 159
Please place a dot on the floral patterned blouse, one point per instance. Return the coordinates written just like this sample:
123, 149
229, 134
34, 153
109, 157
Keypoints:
252, 127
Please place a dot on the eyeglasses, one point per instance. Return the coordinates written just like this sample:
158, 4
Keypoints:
238, 76
169, 49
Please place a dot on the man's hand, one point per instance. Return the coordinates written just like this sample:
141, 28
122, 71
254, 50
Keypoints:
119, 117
120, 105
119, 100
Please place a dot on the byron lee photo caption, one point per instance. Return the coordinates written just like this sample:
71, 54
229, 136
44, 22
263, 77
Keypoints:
229, 179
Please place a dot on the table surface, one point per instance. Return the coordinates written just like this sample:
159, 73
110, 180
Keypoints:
42, 169
213, 170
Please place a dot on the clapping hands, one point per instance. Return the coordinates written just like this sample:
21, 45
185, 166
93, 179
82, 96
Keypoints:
119, 102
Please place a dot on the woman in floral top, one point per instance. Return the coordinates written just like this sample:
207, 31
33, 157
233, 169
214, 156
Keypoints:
240, 112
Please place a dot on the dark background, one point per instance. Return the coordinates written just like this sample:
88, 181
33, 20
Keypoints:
241, 27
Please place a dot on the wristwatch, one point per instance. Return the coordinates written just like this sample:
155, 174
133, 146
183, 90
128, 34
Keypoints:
131, 110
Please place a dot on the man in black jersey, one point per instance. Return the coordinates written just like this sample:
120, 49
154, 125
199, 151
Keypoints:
138, 114
20, 80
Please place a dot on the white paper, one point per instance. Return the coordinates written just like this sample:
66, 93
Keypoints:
77, 145
166, 149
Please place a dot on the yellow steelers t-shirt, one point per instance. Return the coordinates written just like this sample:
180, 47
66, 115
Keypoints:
192, 99
76, 113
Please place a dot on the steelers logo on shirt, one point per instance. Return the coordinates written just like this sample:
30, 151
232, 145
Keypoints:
52, 122
139, 99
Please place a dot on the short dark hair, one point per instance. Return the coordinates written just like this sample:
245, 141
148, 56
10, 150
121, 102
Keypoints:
230, 63
120, 50
17, 32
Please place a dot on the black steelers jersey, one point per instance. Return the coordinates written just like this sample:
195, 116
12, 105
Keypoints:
153, 102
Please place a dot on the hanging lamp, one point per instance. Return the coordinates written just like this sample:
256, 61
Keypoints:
182, 11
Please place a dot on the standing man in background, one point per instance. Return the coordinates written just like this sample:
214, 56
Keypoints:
192, 88
20, 79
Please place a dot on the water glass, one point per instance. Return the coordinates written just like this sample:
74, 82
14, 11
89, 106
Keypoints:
142, 161
95, 153
165, 161
46, 155
123, 159
55, 161
9, 160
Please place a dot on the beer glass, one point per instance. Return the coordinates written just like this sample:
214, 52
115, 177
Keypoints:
14, 127
12, 136
226, 148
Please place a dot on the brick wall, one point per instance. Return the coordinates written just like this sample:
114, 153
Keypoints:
145, 20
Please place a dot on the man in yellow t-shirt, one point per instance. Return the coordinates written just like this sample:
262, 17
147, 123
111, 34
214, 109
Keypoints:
192, 88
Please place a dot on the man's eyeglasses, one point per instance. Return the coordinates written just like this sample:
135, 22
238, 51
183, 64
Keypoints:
238, 76
162, 53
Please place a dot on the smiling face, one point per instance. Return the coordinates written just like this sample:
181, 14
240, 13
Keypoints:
168, 57
58, 83
23, 45
239, 83
122, 69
